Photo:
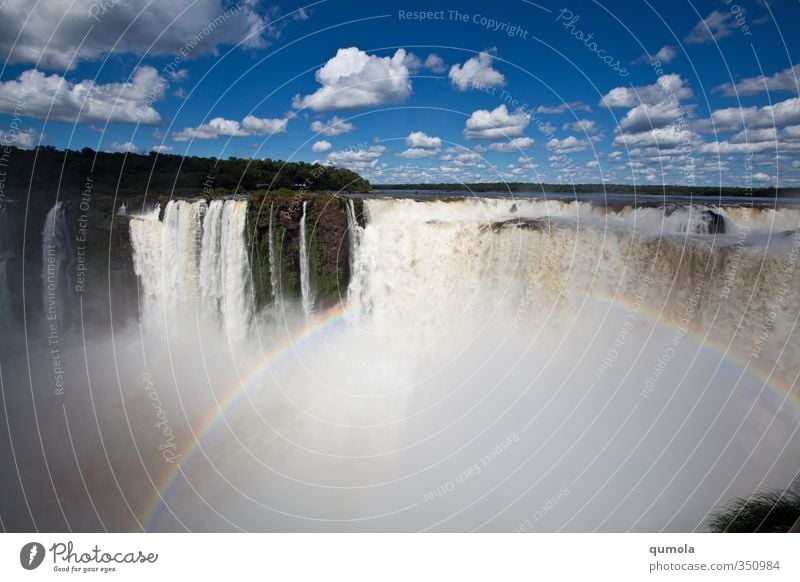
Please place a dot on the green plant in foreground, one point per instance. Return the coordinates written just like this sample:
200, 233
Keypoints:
769, 511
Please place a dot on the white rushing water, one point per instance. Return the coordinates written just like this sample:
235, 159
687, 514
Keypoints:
502, 365
305, 272
195, 258
273, 258
57, 261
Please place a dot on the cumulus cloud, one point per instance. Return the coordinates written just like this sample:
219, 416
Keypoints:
477, 71
419, 139
336, 126
513, 145
127, 147
221, 127
416, 153
24, 139
434, 63
496, 124
785, 80
666, 87
568, 145
35, 94
354, 79
61, 33
663, 137
321, 146
644, 116
161, 149
573, 106
713, 27
357, 158
581, 126
666, 54
777, 115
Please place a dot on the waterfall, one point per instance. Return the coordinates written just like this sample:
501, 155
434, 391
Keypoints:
273, 259
534, 263
234, 271
7, 252
195, 258
354, 236
211, 258
57, 260
305, 275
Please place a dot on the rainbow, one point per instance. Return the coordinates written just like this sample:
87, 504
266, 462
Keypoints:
782, 388
317, 325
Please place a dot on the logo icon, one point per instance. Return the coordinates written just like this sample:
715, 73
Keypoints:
31, 555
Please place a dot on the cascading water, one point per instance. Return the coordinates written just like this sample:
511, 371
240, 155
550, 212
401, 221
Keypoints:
274, 279
57, 261
7, 256
305, 274
195, 258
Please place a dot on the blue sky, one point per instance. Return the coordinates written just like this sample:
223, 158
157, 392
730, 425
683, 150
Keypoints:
701, 93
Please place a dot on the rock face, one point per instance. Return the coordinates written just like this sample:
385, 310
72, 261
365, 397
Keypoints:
327, 245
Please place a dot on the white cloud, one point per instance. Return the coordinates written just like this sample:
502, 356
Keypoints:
778, 115
416, 153
178, 75
568, 145
496, 124
644, 117
353, 79
125, 147
574, 106
61, 33
514, 145
785, 80
221, 127
761, 177
435, 63
581, 126
161, 149
35, 94
663, 137
24, 139
713, 27
666, 54
419, 139
321, 146
477, 71
666, 87
357, 158
336, 126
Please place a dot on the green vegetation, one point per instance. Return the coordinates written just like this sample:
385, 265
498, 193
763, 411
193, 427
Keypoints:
659, 190
763, 511
46, 169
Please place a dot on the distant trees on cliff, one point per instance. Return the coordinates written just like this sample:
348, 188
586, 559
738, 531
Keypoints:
45, 168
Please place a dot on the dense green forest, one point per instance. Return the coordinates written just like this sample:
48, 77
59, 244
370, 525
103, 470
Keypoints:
131, 175
661, 190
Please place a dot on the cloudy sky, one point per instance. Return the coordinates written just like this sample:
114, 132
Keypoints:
701, 93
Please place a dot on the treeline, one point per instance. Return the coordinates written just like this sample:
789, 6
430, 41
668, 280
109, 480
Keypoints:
45, 169
660, 190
